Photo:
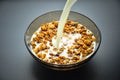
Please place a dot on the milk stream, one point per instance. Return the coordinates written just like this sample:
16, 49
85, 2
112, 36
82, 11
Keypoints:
62, 20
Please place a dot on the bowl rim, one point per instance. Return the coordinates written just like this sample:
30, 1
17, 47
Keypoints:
63, 65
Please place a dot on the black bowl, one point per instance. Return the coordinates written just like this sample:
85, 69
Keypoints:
55, 15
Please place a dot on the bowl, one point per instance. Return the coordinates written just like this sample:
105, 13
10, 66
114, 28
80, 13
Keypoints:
55, 15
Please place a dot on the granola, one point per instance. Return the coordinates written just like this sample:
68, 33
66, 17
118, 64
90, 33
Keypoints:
76, 44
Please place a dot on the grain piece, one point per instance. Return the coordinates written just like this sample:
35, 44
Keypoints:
77, 52
44, 27
32, 43
45, 59
66, 61
44, 46
79, 26
85, 46
93, 39
57, 59
51, 54
41, 35
46, 50
89, 50
88, 42
55, 49
51, 26
40, 48
75, 24
80, 42
36, 50
55, 23
44, 41
43, 56
51, 44
39, 55
70, 51
54, 32
52, 61
47, 37
36, 39
75, 59
59, 52
77, 46
70, 55
84, 53
62, 57
35, 33
61, 49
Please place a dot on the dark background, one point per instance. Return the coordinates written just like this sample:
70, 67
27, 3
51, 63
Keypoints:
17, 64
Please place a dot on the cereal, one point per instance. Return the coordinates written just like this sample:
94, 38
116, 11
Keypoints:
43, 46
36, 50
32, 43
52, 61
44, 27
41, 55
88, 42
51, 26
55, 49
51, 44
76, 44
55, 23
41, 35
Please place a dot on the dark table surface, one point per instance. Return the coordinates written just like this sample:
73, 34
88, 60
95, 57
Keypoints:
17, 64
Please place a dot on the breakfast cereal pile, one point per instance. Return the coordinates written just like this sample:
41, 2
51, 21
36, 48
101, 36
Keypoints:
76, 43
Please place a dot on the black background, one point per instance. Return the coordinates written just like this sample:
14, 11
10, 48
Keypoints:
17, 64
